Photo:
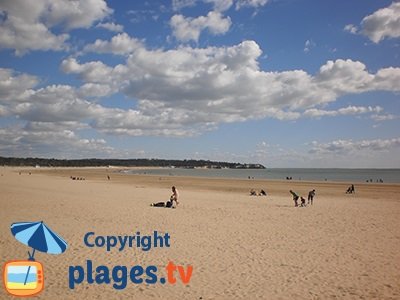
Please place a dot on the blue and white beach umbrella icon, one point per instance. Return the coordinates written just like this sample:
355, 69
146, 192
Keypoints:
38, 236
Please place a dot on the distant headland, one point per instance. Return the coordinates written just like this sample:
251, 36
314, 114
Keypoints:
137, 162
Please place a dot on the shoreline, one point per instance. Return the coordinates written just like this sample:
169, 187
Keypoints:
120, 172
310, 175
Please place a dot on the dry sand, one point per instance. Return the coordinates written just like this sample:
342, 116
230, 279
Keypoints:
241, 247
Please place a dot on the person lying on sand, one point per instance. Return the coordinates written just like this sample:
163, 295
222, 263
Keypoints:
167, 204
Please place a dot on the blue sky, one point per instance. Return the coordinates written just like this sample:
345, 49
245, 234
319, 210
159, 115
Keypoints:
285, 83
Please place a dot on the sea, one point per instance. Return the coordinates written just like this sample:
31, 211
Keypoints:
341, 175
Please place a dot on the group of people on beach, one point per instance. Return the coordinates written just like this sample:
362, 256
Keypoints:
261, 193
172, 202
310, 198
378, 180
76, 178
173, 199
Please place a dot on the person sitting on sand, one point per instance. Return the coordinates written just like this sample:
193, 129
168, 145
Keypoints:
311, 195
174, 196
253, 192
295, 198
262, 193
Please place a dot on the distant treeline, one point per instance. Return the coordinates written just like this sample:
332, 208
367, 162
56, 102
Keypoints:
139, 162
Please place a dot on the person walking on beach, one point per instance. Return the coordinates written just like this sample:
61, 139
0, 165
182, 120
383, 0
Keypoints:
311, 195
295, 198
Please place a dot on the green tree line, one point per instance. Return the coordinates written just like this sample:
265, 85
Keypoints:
137, 162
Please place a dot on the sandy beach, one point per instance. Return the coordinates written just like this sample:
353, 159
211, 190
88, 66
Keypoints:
240, 247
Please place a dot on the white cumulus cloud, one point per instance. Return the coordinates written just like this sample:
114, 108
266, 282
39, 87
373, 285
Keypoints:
219, 5
250, 3
186, 29
27, 25
179, 4
13, 84
203, 87
61, 143
187, 91
120, 44
351, 28
384, 117
111, 26
383, 23
349, 110
348, 146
